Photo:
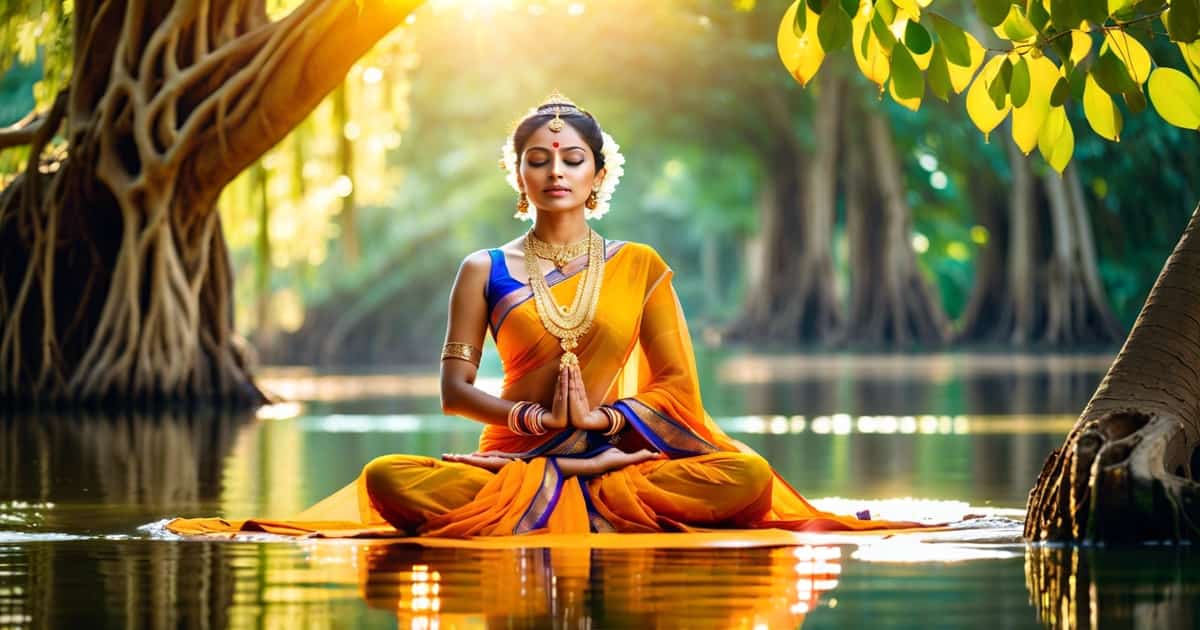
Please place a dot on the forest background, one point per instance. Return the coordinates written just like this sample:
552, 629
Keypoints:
789, 222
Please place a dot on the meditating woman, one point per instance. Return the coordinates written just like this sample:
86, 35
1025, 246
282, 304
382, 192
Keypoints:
599, 425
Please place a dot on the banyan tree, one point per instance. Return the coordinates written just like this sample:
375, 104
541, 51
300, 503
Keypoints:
115, 279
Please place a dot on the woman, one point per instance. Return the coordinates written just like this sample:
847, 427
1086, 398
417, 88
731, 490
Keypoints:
599, 426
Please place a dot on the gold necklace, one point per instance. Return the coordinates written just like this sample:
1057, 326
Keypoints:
560, 255
568, 323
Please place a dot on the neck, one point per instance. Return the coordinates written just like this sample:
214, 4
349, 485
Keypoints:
560, 228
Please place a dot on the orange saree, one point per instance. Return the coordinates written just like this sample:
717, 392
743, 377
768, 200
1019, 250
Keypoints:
637, 357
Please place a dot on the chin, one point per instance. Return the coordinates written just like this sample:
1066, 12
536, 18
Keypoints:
560, 205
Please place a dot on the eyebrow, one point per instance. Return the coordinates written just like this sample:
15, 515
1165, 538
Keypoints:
545, 149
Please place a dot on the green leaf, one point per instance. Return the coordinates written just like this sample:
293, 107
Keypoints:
916, 38
1095, 11
833, 28
1064, 14
1175, 97
1100, 110
953, 40
1135, 100
993, 12
1183, 20
1035, 10
938, 74
1018, 88
850, 7
887, 40
1062, 89
886, 10
907, 80
1111, 74
800, 23
997, 88
816, 5
1016, 26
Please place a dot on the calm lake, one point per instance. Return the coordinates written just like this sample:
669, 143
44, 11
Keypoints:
82, 499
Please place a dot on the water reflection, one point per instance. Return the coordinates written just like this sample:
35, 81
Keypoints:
1146, 587
51, 464
580, 588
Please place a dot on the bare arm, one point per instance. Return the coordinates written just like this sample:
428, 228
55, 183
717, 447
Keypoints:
468, 324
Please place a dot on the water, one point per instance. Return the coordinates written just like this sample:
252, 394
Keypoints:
903, 436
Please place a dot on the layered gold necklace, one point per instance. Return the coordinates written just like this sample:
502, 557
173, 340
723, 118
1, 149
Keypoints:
568, 323
560, 255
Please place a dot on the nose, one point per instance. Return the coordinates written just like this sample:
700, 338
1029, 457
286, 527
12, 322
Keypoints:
556, 168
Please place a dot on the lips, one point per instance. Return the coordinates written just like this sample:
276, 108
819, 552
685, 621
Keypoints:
556, 189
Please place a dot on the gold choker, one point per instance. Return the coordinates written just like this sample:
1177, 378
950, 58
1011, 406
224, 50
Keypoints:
560, 255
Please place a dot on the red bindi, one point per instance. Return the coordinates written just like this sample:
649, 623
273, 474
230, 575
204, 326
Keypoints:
555, 145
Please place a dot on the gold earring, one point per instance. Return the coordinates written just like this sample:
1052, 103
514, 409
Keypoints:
592, 200
522, 205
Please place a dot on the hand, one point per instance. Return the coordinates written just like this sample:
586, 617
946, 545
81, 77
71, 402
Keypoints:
615, 459
559, 415
488, 460
583, 416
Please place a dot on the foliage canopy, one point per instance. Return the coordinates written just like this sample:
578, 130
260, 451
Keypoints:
1040, 54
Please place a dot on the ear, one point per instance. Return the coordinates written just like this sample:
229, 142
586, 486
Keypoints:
599, 178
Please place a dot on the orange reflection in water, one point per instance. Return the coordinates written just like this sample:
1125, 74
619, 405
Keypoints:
728, 588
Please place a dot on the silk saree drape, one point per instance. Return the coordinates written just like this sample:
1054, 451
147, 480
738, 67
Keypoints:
638, 357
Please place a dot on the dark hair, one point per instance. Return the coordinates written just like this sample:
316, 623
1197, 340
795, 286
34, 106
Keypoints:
582, 121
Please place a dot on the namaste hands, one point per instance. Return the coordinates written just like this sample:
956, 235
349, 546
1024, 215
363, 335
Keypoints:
571, 406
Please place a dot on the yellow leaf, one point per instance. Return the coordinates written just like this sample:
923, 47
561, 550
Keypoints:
1130, 51
1056, 142
1100, 110
1176, 97
1029, 118
980, 107
802, 55
910, 8
1081, 45
960, 76
874, 63
1191, 56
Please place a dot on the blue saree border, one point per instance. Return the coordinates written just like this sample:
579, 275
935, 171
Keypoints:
543, 503
667, 434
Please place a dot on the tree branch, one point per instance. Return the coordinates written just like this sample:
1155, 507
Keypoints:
337, 33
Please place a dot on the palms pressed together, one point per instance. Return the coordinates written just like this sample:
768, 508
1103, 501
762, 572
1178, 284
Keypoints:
570, 408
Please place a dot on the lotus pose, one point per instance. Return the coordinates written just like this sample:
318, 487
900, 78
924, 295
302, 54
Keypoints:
599, 425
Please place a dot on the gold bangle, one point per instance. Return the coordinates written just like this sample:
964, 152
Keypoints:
616, 420
464, 351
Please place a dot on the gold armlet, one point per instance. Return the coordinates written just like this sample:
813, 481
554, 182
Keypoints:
464, 351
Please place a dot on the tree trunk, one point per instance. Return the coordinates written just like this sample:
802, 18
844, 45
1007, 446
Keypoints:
989, 293
345, 164
115, 282
1128, 469
891, 302
1052, 294
794, 299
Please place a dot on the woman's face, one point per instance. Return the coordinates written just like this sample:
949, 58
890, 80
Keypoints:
557, 170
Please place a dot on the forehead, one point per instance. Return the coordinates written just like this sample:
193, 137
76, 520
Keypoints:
566, 137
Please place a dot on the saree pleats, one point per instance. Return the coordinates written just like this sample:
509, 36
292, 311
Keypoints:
638, 357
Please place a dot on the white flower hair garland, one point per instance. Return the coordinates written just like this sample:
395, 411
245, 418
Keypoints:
613, 162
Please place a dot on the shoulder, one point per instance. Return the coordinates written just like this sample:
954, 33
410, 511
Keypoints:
475, 267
